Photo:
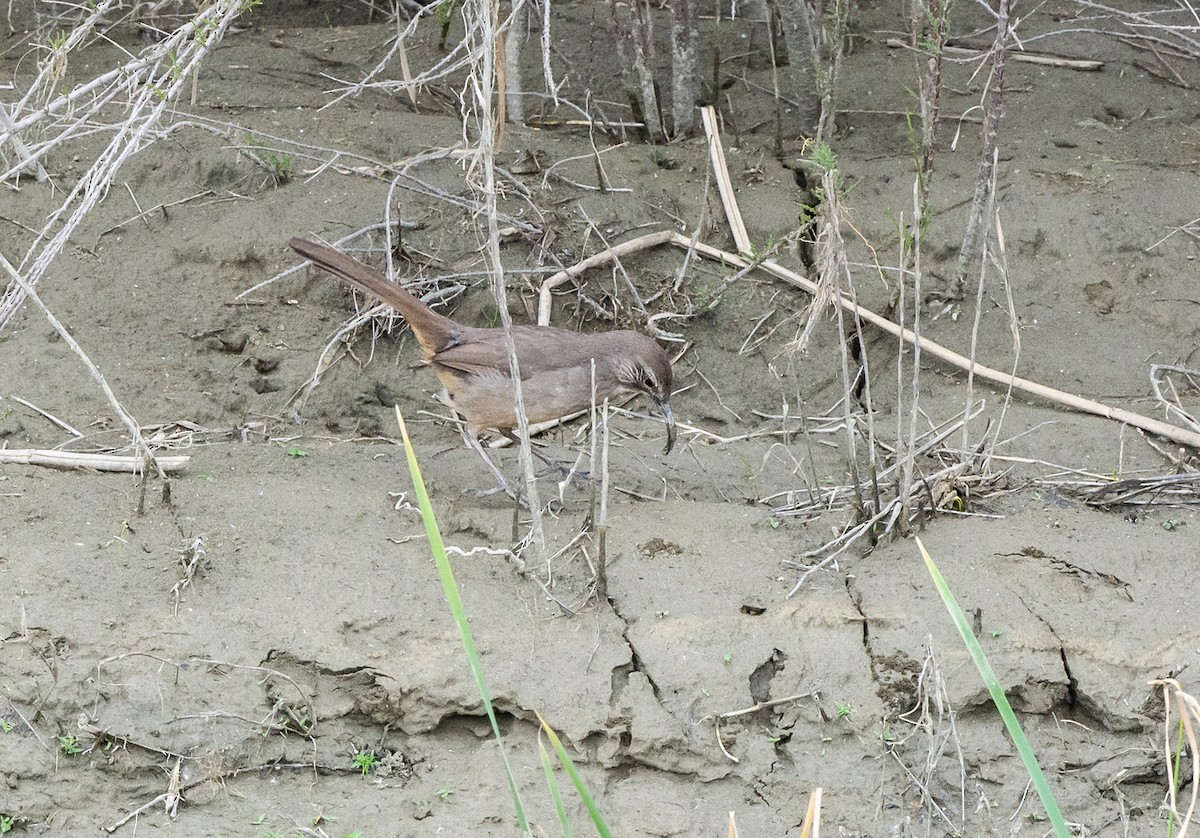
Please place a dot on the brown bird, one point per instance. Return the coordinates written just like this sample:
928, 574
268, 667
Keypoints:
472, 363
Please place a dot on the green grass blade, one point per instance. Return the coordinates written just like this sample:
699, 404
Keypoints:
998, 698
555, 792
450, 588
580, 788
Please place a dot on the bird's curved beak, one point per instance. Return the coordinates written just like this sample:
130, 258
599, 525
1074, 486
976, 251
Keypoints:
669, 418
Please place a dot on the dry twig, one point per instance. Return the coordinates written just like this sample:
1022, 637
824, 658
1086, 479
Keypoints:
126, 463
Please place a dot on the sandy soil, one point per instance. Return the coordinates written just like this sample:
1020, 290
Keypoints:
315, 628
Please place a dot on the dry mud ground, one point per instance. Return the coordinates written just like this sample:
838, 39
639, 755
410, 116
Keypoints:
315, 628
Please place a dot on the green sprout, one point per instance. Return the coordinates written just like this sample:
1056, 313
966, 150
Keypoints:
364, 761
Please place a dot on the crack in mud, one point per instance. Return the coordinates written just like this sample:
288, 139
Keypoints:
760, 679
620, 674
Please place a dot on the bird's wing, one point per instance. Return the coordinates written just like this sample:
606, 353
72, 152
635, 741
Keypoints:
479, 351
471, 359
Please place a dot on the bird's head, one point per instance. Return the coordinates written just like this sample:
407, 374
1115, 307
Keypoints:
646, 368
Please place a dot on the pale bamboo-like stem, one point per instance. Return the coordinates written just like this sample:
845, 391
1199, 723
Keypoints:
87, 461
914, 408
716, 154
602, 520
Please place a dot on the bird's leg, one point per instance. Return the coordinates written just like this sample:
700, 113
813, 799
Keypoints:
504, 485
555, 465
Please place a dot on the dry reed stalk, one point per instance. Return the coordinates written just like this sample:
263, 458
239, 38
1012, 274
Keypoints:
958, 53
993, 115
1164, 491
906, 442
997, 256
930, 31
811, 827
800, 24
716, 156
1160, 382
1170, 28
1189, 719
1183, 436
86, 461
933, 718
835, 280
815, 32
685, 80
462, 56
602, 513
480, 114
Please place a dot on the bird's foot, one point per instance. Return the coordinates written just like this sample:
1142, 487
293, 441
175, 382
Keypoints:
507, 489
564, 473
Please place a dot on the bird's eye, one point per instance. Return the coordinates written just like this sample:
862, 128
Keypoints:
648, 381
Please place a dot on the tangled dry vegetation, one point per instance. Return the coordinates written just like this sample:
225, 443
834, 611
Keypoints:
502, 66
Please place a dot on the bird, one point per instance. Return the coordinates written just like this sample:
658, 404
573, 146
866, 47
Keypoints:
472, 363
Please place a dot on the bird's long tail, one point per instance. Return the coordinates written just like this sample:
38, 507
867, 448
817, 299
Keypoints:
427, 324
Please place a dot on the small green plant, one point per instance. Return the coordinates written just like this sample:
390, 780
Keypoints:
122, 536
69, 745
445, 13
174, 67
293, 451
1172, 524
5, 726
772, 244
728, 658
364, 761
822, 157
277, 163
704, 298
825, 161
259, 821
285, 723
444, 794
844, 710
807, 214
6, 823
